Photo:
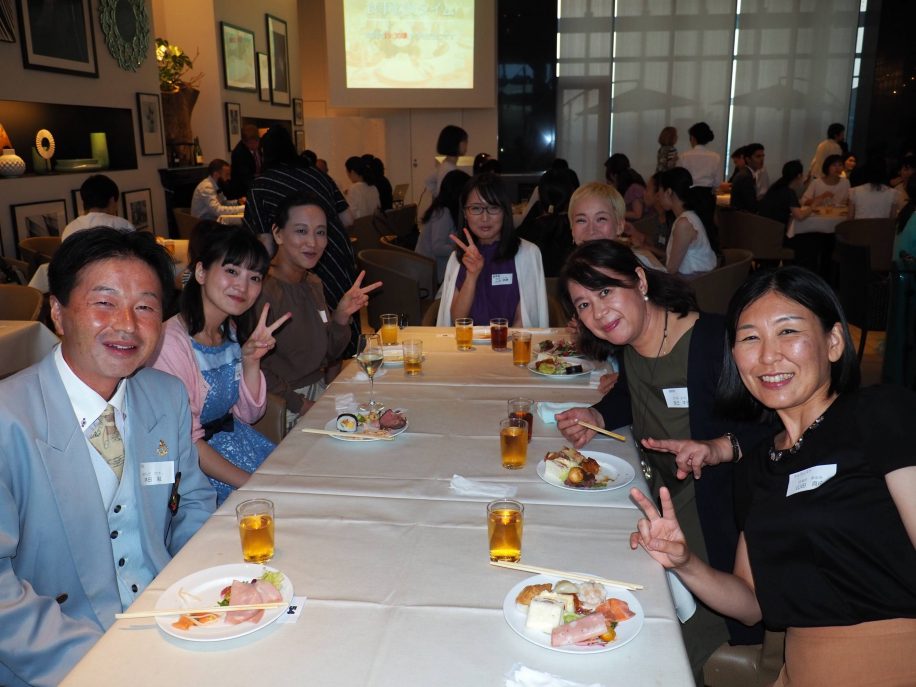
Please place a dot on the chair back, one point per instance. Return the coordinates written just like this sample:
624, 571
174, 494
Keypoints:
402, 221
409, 283
185, 222
760, 235
390, 241
877, 234
863, 293
431, 315
19, 302
368, 231
648, 227
559, 317
36, 250
715, 289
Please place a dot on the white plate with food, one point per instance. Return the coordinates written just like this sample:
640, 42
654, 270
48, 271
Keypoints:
560, 367
559, 471
389, 424
481, 336
205, 589
620, 613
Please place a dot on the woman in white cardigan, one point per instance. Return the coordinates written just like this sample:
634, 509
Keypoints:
493, 273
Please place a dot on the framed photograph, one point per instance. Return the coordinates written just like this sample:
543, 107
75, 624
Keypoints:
7, 21
138, 209
47, 218
300, 141
297, 112
233, 124
263, 77
238, 58
149, 112
78, 207
278, 52
57, 36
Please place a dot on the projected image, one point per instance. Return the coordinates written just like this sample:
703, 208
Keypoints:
409, 43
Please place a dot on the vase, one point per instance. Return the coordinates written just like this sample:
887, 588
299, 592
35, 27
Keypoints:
177, 107
11, 165
98, 142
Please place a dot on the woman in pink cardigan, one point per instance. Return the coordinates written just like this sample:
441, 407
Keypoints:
209, 347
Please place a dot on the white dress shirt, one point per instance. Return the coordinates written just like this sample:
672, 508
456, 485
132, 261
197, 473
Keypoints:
705, 166
96, 219
208, 202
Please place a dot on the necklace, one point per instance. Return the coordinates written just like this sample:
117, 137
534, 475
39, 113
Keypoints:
777, 456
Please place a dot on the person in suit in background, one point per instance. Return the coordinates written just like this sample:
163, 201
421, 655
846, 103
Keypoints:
99, 479
246, 162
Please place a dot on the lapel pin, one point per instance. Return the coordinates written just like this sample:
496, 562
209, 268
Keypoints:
163, 450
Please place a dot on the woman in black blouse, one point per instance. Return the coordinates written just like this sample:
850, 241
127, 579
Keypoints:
827, 508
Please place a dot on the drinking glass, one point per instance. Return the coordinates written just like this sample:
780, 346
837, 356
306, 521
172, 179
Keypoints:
521, 408
521, 348
370, 357
464, 333
256, 529
499, 333
513, 442
389, 330
413, 357
505, 521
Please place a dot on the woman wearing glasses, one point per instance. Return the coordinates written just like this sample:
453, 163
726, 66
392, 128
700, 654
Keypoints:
493, 273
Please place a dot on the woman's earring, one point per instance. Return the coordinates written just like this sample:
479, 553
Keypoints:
645, 296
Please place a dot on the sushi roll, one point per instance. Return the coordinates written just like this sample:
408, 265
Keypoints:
347, 422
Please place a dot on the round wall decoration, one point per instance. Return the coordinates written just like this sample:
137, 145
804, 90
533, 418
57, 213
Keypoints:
44, 144
126, 26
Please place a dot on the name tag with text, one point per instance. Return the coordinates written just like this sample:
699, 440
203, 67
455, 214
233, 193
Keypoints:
159, 472
809, 479
323, 315
676, 397
501, 279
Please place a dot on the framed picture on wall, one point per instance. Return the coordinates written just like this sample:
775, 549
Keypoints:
149, 112
278, 52
7, 21
297, 112
138, 209
57, 36
263, 77
239, 67
47, 218
233, 124
300, 141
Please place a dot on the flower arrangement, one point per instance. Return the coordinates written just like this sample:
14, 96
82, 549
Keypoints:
174, 64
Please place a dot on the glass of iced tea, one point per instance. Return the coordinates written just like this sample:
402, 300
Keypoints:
256, 528
499, 334
389, 330
505, 519
464, 333
521, 408
413, 357
513, 442
521, 348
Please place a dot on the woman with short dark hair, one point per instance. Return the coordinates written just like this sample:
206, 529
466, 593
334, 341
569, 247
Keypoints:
827, 506
452, 144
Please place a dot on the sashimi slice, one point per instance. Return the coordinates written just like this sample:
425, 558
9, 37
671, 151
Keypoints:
614, 610
243, 593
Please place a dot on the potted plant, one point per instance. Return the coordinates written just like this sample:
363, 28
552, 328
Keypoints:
179, 95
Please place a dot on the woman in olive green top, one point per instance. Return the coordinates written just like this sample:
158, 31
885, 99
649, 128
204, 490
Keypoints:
315, 336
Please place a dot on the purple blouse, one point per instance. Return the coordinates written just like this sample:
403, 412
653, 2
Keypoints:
497, 288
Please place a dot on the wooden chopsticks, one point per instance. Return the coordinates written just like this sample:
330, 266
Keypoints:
352, 436
189, 611
600, 430
566, 575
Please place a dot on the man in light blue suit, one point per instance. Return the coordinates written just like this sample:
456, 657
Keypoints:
99, 479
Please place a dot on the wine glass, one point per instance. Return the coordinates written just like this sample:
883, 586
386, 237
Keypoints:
370, 358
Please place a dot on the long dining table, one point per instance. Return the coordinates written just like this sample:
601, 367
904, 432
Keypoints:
390, 565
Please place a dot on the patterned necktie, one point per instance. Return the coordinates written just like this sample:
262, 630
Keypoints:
107, 440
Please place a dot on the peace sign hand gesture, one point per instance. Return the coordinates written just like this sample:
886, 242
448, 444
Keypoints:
660, 535
354, 299
472, 260
262, 338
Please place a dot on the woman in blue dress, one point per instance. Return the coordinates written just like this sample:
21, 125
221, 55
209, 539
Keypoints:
214, 346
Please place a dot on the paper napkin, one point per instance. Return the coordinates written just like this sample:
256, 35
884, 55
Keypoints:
523, 676
547, 411
473, 487
684, 603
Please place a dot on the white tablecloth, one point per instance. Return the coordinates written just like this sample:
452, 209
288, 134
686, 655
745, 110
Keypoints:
394, 563
23, 343
824, 221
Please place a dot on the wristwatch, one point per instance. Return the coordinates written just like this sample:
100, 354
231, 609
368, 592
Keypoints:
736, 447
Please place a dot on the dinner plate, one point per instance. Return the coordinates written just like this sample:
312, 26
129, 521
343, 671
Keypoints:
516, 615
202, 590
587, 368
481, 335
359, 436
620, 469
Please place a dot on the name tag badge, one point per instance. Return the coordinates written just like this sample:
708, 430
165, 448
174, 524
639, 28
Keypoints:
501, 279
159, 472
676, 397
323, 315
809, 479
